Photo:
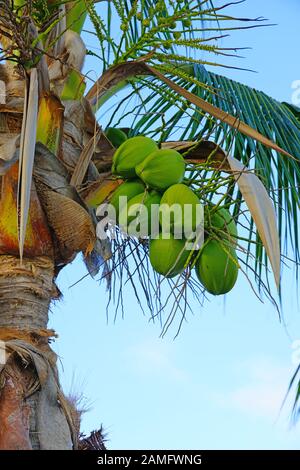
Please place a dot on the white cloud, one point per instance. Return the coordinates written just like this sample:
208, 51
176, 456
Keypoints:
262, 400
156, 357
263, 389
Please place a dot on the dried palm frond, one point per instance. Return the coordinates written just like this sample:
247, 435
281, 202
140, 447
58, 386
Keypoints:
12, 100
27, 151
38, 239
96, 441
18, 392
70, 222
85, 159
8, 154
50, 122
262, 211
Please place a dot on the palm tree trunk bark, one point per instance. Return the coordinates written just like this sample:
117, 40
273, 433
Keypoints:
34, 413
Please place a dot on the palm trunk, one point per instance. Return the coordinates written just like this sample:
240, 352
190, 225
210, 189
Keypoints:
34, 414
33, 411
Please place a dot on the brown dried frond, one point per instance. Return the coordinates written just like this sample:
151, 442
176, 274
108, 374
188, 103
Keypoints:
71, 223
96, 441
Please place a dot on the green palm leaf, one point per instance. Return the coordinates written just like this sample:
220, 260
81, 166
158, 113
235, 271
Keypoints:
164, 115
163, 30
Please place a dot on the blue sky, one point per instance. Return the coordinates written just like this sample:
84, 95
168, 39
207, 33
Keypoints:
220, 384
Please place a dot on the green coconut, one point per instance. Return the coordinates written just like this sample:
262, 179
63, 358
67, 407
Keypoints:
168, 256
181, 209
129, 189
141, 216
217, 267
116, 136
161, 169
221, 221
132, 152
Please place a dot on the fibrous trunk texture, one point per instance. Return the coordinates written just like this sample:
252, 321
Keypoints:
34, 414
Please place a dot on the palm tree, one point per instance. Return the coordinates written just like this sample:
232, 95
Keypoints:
55, 169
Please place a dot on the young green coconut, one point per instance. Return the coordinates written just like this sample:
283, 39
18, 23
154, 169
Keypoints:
129, 189
180, 209
141, 216
217, 267
218, 219
132, 152
161, 169
116, 136
168, 256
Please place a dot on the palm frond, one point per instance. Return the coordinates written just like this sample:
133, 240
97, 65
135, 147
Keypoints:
294, 109
163, 115
162, 31
95, 441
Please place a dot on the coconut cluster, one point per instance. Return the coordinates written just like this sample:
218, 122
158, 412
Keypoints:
153, 186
